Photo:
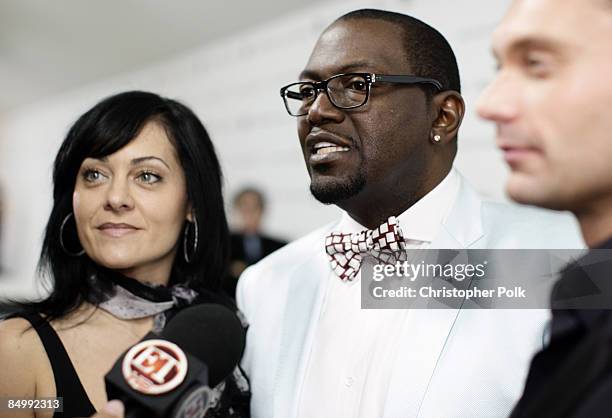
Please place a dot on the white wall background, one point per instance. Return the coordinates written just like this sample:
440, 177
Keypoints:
233, 86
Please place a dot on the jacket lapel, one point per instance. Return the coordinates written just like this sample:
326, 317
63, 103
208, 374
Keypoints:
305, 296
425, 333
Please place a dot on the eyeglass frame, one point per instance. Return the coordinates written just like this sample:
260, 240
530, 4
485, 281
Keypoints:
370, 78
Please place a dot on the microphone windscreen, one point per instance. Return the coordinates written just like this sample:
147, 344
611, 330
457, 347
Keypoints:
211, 333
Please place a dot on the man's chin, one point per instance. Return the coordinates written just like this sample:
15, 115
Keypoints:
528, 190
333, 191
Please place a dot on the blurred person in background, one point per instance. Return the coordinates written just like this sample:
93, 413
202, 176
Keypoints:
137, 231
551, 102
248, 243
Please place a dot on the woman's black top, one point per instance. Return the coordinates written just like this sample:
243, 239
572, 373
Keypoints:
67, 383
229, 399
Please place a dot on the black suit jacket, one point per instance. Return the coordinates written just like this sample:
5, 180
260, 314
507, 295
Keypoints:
572, 376
238, 254
268, 246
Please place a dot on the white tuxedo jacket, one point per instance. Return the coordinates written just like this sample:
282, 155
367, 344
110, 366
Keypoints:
450, 363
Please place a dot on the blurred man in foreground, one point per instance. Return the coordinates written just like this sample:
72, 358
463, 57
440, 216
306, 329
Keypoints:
552, 104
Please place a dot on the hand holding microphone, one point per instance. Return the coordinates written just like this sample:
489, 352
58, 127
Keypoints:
113, 409
171, 375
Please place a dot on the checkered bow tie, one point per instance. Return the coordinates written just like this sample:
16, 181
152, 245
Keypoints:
383, 243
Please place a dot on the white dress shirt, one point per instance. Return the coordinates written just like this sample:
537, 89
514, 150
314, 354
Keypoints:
353, 353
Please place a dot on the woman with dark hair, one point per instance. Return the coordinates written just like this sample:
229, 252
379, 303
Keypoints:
137, 231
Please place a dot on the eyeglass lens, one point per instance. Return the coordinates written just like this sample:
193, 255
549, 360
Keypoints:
344, 91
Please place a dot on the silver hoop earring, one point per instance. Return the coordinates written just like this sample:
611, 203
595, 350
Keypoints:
188, 258
61, 238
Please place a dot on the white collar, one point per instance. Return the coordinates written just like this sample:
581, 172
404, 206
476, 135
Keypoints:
421, 221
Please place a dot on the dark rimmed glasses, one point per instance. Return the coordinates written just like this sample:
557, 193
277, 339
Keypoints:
345, 91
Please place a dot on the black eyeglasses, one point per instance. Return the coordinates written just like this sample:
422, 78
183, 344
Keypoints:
345, 91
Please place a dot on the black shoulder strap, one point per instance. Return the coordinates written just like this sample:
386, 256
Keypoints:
67, 382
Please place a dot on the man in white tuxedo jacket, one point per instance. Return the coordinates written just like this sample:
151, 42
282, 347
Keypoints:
379, 108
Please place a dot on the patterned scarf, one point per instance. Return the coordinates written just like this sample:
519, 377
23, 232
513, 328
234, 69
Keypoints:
131, 299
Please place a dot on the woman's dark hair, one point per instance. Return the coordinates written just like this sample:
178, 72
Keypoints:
109, 126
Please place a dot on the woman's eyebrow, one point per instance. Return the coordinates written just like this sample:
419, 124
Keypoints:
139, 160
135, 161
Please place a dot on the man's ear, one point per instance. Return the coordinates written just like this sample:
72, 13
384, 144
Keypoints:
450, 109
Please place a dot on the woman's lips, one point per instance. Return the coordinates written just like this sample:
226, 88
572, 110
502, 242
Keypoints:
117, 230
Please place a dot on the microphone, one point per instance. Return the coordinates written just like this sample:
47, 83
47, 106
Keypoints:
170, 375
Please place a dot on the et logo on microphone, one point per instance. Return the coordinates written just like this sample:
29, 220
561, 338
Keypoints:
154, 367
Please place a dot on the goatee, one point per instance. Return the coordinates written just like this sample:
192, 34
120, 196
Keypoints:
334, 192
